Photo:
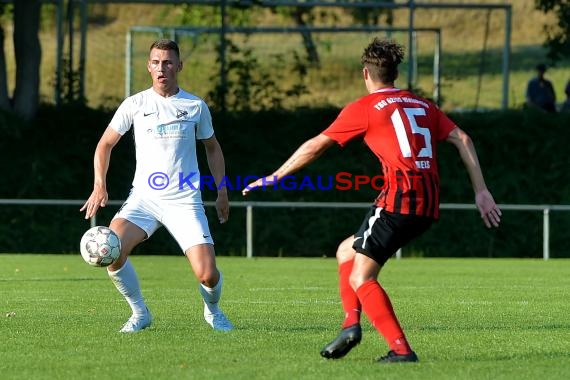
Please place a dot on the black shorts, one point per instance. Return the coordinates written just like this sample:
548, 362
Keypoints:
382, 233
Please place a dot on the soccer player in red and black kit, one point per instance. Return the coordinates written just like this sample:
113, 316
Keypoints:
402, 130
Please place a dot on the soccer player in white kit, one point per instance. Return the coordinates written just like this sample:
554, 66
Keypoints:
166, 122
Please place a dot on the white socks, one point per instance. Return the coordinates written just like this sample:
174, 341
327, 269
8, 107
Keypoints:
127, 283
211, 296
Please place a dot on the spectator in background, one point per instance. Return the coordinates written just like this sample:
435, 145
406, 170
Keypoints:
540, 92
566, 105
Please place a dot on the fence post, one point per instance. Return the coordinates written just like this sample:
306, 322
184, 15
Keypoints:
249, 230
546, 233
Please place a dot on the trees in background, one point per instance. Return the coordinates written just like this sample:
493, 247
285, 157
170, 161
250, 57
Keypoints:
27, 54
26, 16
557, 35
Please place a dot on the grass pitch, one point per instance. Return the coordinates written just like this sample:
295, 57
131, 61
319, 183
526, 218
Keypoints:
466, 319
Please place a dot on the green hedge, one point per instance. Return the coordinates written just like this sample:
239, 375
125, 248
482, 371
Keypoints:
523, 155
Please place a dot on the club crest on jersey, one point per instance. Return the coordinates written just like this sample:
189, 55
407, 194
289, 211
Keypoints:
180, 113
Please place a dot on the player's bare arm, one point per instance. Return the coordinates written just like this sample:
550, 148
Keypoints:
217, 166
99, 196
308, 152
490, 212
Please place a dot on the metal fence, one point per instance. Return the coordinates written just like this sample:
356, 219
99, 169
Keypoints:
349, 37
249, 206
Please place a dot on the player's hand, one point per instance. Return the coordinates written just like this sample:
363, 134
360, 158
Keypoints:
223, 206
490, 212
260, 182
98, 198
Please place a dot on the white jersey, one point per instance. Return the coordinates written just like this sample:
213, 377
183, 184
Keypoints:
165, 131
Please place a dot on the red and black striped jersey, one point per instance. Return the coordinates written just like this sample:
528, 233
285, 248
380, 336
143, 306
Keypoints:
402, 130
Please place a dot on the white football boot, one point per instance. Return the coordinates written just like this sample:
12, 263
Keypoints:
137, 323
217, 320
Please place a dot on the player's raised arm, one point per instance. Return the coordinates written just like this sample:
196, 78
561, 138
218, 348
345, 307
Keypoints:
490, 212
99, 196
309, 151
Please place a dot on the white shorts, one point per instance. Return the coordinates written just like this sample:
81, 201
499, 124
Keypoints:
186, 222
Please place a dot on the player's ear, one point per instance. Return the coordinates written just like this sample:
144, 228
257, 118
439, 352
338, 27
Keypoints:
148, 66
179, 66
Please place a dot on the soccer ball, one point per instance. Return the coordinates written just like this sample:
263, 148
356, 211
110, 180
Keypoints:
100, 246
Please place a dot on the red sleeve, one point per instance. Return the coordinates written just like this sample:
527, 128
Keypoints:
350, 123
445, 126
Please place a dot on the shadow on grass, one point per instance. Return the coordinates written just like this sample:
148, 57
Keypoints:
463, 64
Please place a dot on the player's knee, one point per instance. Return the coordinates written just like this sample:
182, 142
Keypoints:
208, 277
357, 279
354, 281
345, 252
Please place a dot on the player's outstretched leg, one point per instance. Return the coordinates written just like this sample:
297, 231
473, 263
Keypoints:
345, 341
212, 312
126, 282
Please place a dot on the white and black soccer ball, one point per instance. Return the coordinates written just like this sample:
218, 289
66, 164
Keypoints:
100, 246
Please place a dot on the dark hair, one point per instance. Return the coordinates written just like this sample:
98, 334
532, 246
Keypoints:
165, 44
541, 67
382, 58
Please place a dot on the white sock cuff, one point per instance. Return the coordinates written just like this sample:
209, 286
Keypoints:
126, 266
212, 296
